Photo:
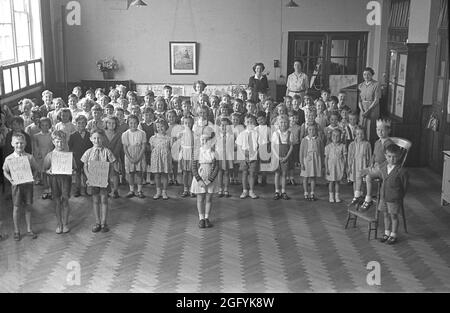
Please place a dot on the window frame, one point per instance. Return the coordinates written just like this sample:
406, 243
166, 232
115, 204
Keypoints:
14, 33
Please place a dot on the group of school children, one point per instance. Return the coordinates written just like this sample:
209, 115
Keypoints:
209, 139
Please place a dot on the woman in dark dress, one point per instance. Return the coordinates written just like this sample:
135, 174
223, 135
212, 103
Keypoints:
258, 82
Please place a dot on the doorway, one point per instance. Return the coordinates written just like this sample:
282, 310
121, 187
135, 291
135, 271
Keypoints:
332, 60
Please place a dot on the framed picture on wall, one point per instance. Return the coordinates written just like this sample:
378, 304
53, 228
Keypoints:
401, 78
399, 101
183, 58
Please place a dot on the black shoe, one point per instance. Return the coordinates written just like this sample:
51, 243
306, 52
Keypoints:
96, 228
208, 223
384, 238
201, 224
276, 196
312, 198
115, 195
105, 228
284, 196
391, 240
130, 194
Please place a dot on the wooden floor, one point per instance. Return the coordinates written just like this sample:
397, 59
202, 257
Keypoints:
255, 246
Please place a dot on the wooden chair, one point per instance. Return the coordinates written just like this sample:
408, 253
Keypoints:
353, 211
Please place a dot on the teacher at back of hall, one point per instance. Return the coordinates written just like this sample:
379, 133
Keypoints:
297, 82
258, 82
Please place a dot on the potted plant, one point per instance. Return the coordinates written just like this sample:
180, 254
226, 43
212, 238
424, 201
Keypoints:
107, 66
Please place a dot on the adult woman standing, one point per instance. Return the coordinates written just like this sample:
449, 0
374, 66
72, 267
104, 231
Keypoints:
258, 82
297, 82
369, 98
199, 88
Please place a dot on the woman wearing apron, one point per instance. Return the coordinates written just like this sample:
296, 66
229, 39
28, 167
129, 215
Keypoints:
369, 98
297, 82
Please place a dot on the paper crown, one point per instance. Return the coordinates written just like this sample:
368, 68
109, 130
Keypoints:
383, 123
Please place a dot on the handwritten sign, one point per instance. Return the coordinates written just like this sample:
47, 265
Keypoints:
98, 174
62, 163
20, 170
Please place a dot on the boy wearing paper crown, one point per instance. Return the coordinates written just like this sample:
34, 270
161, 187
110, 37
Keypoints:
60, 183
22, 192
378, 156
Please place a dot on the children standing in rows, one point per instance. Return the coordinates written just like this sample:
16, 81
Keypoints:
22, 194
100, 203
79, 143
161, 158
134, 145
335, 164
42, 145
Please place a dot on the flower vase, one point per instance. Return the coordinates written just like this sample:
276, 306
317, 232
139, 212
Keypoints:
108, 75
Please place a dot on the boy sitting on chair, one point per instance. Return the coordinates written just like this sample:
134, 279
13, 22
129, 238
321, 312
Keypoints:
378, 157
393, 189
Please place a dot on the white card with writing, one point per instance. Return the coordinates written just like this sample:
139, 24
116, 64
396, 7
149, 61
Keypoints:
98, 173
62, 163
20, 170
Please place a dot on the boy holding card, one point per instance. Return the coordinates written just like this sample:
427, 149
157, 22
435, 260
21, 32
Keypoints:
19, 168
59, 165
94, 160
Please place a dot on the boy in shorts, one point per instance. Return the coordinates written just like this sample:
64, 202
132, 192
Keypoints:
99, 195
247, 144
60, 184
22, 194
392, 191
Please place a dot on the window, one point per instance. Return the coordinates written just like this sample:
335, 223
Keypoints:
20, 46
19, 30
331, 60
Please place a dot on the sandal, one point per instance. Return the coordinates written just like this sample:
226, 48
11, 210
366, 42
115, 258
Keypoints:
384, 238
356, 200
44, 196
185, 194
140, 195
276, 196
226, 194
366, 205
220, 194
391, 240
284, 196
105, 228
17, 236
32, 235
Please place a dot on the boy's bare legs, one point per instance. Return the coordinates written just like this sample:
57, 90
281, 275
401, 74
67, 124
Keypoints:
65, 212
394, 218
96, 208
220, 180
226, 182
277, 181
104, 207
244, 180
16, 219
58, 209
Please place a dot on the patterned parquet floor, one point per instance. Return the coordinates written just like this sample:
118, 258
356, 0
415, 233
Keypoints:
255, 246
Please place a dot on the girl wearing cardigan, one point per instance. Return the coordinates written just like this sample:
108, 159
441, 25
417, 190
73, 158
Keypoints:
204, 169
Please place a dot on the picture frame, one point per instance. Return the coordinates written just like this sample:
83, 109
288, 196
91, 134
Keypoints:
183, 57
401, 77
399, 101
